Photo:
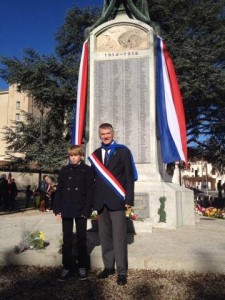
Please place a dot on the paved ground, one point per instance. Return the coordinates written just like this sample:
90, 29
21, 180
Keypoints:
198, 248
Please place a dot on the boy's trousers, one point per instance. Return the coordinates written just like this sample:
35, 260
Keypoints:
67, 248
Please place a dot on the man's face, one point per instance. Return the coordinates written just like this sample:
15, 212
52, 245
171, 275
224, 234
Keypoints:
106, 135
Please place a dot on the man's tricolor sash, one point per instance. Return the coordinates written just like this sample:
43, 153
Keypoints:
112, 182
112, 147
79, 120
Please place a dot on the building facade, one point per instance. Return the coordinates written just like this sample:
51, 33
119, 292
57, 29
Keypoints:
12, 104
199, 174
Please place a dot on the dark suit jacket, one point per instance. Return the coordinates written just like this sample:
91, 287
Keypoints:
74, 195
120, 165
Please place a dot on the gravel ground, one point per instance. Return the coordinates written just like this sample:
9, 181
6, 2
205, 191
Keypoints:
26, 282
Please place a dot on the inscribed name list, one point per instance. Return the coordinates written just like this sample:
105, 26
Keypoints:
121, 97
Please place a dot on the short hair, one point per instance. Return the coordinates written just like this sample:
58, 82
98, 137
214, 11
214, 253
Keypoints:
75, 150
105, 125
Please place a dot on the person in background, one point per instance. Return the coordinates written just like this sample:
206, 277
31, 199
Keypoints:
73, 201
43, 186
53, 191
112, 201
223, 186
48, 193
29, 194
4, 192
13, 191
219, 189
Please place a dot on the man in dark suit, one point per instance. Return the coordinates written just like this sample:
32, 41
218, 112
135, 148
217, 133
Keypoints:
114, 193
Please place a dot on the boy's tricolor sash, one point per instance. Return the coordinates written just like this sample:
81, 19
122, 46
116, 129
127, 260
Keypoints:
107, 176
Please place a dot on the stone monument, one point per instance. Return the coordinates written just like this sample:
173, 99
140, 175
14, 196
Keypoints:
122, 91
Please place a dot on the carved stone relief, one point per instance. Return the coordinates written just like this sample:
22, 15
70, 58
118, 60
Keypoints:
122, 37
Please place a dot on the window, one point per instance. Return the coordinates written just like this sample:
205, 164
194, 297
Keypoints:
196, 173
17, 117
18, 104
214, 171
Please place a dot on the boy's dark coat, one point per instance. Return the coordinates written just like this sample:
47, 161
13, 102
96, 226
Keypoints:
73, 197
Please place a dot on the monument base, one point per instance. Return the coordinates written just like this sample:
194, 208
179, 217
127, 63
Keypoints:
170, 205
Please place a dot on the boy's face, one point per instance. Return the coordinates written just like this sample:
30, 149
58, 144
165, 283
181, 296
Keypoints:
75, 159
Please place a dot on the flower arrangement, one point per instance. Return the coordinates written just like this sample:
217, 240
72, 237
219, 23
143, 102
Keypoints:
214, 212
94, 215
210, 211
32, 240
130, 214
199, 209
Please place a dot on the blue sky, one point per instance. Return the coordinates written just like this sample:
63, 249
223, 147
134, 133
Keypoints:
33, 24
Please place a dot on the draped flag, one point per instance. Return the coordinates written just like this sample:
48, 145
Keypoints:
170, 110
80, 111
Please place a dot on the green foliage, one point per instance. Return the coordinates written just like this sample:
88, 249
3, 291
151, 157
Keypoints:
161, 210
52, 83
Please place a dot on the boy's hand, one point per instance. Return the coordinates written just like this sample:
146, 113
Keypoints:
58, 217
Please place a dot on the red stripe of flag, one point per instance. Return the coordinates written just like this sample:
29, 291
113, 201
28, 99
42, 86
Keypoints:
82, 96
177, 99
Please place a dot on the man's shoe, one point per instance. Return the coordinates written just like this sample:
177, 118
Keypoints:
106, 273
64, 274
122, 279
82, 273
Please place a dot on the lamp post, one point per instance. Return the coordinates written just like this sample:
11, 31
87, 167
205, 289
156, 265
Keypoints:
41, 134
206, 178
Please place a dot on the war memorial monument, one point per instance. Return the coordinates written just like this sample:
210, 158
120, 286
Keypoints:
122, 91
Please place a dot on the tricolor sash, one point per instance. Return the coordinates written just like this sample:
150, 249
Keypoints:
108, 178
112, 147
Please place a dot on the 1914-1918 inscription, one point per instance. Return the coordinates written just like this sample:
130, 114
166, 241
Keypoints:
121, 97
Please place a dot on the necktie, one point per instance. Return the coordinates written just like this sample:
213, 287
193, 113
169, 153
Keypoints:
106, 160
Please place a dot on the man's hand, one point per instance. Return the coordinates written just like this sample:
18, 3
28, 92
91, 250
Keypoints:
127, 206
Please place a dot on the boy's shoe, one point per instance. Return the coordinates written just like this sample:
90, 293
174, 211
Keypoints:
82, 273
64, 274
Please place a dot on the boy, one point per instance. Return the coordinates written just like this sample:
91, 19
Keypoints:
73, 200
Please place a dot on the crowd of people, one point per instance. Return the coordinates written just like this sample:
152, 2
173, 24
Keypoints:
41, 198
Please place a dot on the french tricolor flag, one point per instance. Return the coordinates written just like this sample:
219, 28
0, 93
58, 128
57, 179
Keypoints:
170, 110
80, 111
